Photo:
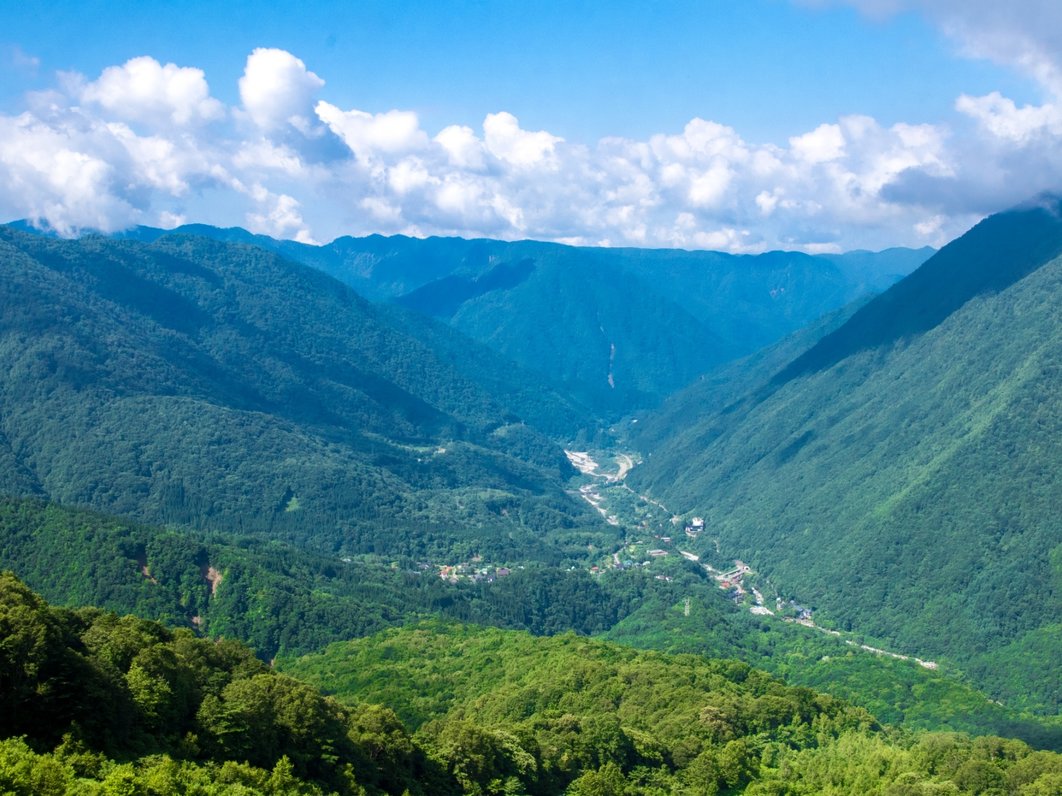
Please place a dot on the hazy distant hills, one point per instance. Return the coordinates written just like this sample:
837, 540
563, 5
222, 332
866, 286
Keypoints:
218, 385
903, 475
619, 329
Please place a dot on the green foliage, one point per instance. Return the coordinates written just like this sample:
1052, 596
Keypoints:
508, 713
558, 311
897, 692
273, 596
495, 712
183, 712
285, 601
218, 386
567, 312
901, 477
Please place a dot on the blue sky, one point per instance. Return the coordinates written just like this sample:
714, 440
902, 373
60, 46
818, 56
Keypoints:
733, 125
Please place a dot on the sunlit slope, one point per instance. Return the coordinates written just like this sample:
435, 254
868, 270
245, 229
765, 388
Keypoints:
903, 475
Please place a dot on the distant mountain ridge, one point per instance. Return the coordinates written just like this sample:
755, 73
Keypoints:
901, 475
617, 329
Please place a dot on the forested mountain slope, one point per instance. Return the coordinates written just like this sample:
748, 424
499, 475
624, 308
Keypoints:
94, 703
285, 601
603, 719
220, 386
902, 476
619, 328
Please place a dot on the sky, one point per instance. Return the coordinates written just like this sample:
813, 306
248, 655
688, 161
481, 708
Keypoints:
812, 125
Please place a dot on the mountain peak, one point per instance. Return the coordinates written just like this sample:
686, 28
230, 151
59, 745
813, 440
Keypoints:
999, 251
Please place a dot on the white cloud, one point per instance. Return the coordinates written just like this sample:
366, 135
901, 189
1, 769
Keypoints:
463, 149
369, 135
277, 215
269, 156
278, 90
821, 145
291, 164
409, 175
708, 188
145, 91
767, 201
1002, 118
48, 178
931, 226
170, 220
521, 148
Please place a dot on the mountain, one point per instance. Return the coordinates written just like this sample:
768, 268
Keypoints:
623, 721
221, 386
284, 601
98, 703
722, 387
622, 328
900, 476
616, 329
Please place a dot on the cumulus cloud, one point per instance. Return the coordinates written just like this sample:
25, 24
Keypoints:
1013, 151
143, 90
278, 90
521, 148
462, 148
77, 160
369, 135
146, 143
56, 182
277, 215
821, 145
1001, 117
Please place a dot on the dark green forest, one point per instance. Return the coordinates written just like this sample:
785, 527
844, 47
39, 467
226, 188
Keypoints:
566, 313
216, 386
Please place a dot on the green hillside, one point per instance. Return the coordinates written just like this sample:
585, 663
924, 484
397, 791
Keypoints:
722, 388
94, 703
620, 329
218, 386
603, 719
279, 598
901, 476
284, 601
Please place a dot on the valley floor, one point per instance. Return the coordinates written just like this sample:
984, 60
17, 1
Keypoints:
604, 488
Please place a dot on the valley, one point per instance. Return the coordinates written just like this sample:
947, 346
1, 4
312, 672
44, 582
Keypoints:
739, 582
243, 447
531, 398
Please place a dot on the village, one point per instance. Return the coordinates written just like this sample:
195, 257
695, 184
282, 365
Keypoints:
475, 571
738, 581
657, 534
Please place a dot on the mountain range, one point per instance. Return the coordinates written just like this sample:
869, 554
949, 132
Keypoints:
901, 474
618, 329
291, 443
219, 386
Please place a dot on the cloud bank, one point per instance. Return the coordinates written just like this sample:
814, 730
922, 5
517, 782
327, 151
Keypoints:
147, 143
